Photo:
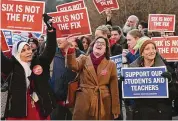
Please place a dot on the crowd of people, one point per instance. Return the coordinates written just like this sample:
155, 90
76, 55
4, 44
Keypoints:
41, 70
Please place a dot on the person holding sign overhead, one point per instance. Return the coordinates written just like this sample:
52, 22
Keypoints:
97, 97
30, 96
151, 108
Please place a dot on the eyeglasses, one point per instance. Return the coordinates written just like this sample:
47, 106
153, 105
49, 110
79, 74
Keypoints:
100, 43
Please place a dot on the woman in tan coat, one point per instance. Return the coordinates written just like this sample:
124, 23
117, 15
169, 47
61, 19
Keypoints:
97, 97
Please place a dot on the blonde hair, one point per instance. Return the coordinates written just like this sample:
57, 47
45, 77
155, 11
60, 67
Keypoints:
104, 29
135, 33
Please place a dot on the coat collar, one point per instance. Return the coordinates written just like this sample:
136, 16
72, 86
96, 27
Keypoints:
89, 66
139, 60
122, 40
102, 67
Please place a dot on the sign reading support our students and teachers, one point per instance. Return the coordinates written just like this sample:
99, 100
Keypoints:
18, 15
101, 5
167, 46
118, 61
144, 82
161, 22
71, 6
71, 23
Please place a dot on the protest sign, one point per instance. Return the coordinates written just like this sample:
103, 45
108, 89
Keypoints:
101, 5
118, 61
167, 46
22, 15
71, 6
8, 37
71, 23
18, 37
144, 82
4, 46
44, 29
36, 35
27, 34
161, 22
24, 34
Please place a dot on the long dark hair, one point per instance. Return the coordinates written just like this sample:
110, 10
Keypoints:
88, 39
81, 44
107, 53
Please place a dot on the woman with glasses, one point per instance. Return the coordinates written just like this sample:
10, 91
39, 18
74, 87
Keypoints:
97, 97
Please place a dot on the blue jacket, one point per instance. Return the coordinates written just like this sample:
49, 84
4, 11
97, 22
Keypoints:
61, 75
131, 58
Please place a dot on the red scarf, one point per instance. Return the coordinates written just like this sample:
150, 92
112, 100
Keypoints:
132, 51
63, 52
96, 61
70, 51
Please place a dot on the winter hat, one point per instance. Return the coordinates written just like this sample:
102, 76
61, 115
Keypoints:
140, 42
145, 43
33, 40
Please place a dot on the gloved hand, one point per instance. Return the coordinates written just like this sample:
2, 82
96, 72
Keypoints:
167, 75
47, 21
121, 78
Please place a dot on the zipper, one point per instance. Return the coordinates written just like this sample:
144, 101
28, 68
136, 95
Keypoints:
42, 104
26, 92
9, 107
26, 102
9, 91
50, 101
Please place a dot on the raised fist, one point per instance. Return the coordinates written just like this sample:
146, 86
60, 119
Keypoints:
47, 19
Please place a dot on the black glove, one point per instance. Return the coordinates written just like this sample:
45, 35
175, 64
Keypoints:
48, 23
121, 78
167, 75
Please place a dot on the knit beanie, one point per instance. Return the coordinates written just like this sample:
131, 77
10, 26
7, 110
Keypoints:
33, 40
140, 41
145, 43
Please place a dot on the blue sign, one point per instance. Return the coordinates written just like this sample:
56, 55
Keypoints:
18, 37
8, 37
144, 83
37, 35
118, 60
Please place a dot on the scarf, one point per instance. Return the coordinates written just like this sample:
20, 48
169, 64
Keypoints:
16, 50
96, 61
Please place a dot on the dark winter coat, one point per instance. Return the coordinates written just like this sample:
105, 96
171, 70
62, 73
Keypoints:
61, 75
123, 42
152, 108
17, 100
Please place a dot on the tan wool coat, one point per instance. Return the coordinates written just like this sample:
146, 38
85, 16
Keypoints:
97, 96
